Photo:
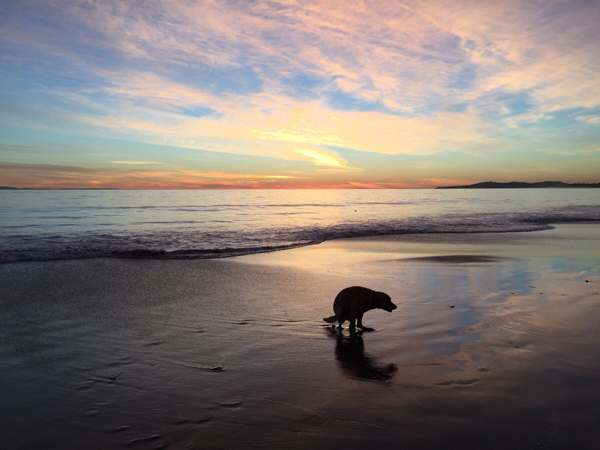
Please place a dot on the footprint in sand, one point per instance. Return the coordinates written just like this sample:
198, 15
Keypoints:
192, 421
231, 404
458, 382
121, 360
117, 429
154, 437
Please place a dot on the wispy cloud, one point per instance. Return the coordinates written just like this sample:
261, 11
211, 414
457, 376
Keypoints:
323, 157
292, 79
133, 162
269, 118
591, 119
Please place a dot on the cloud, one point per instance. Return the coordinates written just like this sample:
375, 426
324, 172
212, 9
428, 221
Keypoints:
133, 162
322, 157
55, 176
267, 117
591, 119
409, 53
379, 185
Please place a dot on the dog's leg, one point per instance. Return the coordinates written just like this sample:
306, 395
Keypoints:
352, 325
361, 326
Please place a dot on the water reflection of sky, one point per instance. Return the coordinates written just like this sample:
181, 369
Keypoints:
461, 320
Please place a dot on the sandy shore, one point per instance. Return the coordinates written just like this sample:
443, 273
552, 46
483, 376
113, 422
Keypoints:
494, 345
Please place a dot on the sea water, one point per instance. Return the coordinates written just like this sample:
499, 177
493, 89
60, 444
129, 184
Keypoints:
39, 225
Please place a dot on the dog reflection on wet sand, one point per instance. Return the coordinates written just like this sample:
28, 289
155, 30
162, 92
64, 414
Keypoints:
355, 363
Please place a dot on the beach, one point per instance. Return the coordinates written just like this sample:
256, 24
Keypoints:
494, 345
193, 192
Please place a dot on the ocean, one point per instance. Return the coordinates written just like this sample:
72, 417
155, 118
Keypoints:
42, 225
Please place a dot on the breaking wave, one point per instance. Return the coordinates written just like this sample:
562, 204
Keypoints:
194, 239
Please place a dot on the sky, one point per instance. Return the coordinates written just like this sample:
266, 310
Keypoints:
222, 94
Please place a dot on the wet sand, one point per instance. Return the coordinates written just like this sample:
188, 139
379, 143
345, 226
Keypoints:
494, 345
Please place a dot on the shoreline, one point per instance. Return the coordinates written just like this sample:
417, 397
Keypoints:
187, 255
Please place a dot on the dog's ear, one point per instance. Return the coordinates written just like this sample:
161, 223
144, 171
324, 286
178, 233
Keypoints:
380, 298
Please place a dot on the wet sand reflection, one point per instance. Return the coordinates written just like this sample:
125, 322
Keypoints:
358, 365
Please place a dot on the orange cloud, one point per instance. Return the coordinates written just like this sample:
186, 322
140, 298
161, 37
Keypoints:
66, 177
133, 162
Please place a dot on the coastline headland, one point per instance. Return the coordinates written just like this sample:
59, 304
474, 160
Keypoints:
522, 184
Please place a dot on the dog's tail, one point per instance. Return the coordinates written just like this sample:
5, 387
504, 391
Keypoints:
330, 319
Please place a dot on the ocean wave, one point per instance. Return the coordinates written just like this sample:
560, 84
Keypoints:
195, 243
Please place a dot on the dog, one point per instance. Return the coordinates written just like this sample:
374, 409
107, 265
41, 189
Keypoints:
353, 302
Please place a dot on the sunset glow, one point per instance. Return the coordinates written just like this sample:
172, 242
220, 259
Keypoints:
297, 94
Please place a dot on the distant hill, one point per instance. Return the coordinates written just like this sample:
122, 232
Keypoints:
521, 185
6, 187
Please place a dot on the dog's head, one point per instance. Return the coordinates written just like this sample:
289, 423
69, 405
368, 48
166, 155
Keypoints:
383, 301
